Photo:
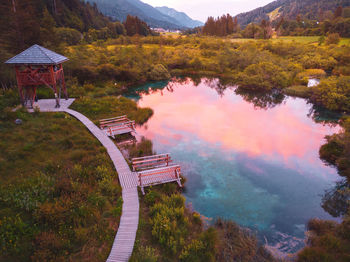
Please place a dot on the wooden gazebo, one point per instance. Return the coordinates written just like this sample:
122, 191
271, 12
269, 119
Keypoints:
38, 66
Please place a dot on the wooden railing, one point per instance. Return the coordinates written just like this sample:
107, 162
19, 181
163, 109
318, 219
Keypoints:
27, 78
142, 163
104, 123
117, 125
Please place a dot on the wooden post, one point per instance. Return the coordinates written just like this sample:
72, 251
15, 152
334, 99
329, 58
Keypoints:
19, 84
63, 82
140, 181
14, 6
178, 176
53, 81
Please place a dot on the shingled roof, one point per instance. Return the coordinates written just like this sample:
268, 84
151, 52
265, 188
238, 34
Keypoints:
37, 55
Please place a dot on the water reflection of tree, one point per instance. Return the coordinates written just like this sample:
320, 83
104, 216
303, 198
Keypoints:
336, 201
264, 100
219, 85
323, 116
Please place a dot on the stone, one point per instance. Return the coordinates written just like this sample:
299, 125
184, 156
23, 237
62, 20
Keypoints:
18, 121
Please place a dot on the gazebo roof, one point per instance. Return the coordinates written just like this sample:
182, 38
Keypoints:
37, 55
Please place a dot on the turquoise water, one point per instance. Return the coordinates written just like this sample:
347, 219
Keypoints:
252, 159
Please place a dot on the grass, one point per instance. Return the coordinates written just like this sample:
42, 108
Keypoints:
59, 193
289, 39
107, 107
298, 91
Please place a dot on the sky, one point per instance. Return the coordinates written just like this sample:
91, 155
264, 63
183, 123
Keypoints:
201, 9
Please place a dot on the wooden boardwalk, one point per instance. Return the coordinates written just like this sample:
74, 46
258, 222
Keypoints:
124, 241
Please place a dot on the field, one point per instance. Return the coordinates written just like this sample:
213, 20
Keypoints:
297, 39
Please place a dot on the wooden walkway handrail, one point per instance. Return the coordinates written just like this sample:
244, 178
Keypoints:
150, 162
117, 126
145, 157
113, 118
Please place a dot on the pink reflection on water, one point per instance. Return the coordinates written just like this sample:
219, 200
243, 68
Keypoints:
283, 131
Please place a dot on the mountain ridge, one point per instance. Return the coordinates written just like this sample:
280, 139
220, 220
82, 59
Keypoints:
181, 17
290, 9
119, 9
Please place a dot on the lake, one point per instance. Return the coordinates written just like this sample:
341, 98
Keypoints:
246, 157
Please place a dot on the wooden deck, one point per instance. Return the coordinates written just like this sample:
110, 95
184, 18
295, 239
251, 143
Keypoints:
117, 126
155, 170
125, 238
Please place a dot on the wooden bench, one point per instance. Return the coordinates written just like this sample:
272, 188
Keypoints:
155, 170
117, 126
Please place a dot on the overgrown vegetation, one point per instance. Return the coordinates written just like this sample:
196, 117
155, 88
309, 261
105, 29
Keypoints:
109, 106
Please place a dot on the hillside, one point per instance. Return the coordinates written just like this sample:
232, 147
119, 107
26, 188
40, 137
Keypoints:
23, 23
181, 17
310, 9
120, 9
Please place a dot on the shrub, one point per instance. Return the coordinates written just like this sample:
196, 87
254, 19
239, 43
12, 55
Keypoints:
69, 35
169, 224
299, 91
333, 39
158, 72
106, 107
239, 243
263, 76
333, 93
12, 232
144, 254
140, 149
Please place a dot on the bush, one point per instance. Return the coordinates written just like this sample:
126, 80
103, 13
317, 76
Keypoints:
12, 232
263, 76
239, 243
333, 39
107, 107
140, 149
144, 254
169, 224
158, 72
299, 91
69, 35
333, 93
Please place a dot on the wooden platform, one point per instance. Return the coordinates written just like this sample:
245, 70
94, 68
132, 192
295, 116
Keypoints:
125, 238
155, 170
117, 126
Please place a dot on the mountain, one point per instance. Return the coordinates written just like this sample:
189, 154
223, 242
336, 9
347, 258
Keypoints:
120, 9
310, 9
181, 17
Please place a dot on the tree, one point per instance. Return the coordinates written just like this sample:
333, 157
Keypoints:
47, 30
266, 29
338, 12
222, 26
135, 26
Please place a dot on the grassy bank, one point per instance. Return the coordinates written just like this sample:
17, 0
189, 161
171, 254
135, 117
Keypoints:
59, 196
60, 199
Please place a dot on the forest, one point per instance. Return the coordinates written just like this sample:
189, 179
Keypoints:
55, 200
327, 22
